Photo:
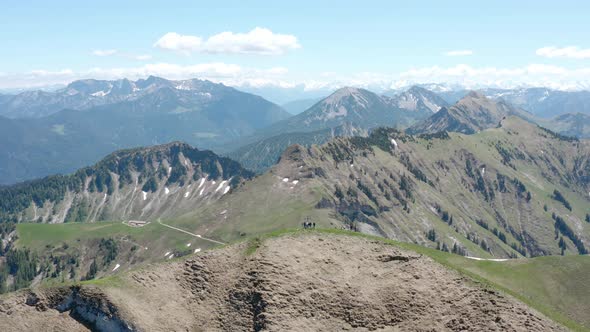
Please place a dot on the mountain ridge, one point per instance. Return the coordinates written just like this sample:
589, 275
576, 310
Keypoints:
137, 183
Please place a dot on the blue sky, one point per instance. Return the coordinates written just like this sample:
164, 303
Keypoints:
315, 43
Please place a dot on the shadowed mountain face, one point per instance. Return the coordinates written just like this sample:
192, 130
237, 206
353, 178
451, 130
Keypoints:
142, 184
261, 155
159, 111
571, 124
471, 114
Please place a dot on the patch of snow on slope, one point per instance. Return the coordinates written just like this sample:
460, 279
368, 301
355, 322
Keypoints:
220, 186
197, 250
166, 190
286, 180
99, 94
226, 190
394, 143
201, 193
408, 102
144, 195
431, 106
488, 259
116, 267
295, 182
186, 194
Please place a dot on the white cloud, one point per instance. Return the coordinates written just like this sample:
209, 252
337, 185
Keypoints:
572, 52
104, 52
257, 41
142, 57
181, 43
459, 53
556, 77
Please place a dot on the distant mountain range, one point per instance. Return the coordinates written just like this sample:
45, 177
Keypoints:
149, 94
543, 102
121, 114
45, 132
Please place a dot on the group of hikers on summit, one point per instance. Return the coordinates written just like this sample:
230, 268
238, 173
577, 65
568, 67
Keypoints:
308, 224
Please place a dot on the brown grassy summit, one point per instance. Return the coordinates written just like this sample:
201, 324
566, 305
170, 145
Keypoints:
313, 282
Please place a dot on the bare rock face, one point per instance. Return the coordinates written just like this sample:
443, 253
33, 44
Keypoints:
292, 283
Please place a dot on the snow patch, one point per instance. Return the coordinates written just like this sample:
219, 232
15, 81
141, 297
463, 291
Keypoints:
188, 244
186, 194
201, 193
197, 250
166, 190
167, 253
394, 143
201, 183
488, 259
144, 195
220, 186
483, 171
99, 94
116, 267
295, 181
286, 180
170, 257
226, 190
223, 212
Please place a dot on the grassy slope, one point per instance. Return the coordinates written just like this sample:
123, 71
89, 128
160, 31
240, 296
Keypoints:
554, 285
38, 236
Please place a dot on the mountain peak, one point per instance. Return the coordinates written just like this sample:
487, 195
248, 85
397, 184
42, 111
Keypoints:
475, 94
418, 89
345, 91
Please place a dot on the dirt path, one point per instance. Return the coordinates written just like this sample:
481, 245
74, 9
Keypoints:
189, 233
